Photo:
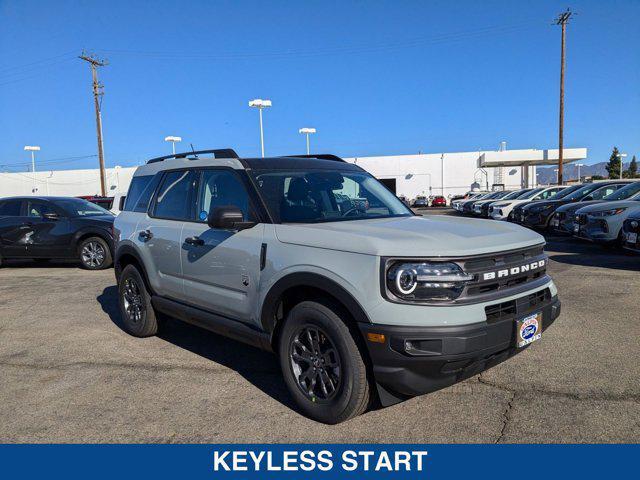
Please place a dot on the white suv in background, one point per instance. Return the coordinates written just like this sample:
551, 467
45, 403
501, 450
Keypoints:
501, 210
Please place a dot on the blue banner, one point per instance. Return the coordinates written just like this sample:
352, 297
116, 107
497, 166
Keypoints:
318, 461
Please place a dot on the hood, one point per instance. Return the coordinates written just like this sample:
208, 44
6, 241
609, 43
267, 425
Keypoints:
102, 220
544, 203
416, 236
610, 205
577, 205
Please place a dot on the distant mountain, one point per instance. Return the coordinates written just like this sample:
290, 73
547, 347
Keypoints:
546, 175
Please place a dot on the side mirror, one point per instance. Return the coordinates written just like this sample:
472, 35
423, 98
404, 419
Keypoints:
51, 216
228, 217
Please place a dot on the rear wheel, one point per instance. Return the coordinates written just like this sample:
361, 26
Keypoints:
322, 364
138, 317
94, 254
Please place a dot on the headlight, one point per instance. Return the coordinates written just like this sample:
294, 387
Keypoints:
608, 213
498, 205
425, 281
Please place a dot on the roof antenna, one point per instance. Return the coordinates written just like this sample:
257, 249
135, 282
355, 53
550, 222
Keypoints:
194, 151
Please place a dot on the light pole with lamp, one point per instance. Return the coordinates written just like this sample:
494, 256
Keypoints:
307, 131
33, 149
621, 156
579, 165
557, 176
173, 141
260, 104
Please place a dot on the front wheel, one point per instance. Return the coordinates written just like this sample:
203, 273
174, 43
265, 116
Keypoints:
322, 365
94, 254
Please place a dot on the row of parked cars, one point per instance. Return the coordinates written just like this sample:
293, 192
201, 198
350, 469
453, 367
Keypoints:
606, 211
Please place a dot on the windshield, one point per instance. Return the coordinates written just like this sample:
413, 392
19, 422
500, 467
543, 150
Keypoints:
532, 193
513, 195
583, 191
565, 192
313, 196
77, 207
624, 192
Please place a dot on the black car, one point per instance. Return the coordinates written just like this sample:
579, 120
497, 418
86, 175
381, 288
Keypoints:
631, 232
538, 215
43, 228
467, 207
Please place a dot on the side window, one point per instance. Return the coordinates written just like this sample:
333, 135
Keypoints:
219, 188
173, 200
10, 208
38, 209
140, 192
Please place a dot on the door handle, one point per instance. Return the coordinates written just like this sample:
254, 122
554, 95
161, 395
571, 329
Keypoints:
194, 241
146, 234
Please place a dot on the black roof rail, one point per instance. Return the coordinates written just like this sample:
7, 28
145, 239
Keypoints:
321, 156
219, 153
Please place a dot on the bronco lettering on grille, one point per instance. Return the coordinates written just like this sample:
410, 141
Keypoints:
507, 272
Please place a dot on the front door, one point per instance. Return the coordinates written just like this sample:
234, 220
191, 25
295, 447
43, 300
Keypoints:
221, 268
47, 237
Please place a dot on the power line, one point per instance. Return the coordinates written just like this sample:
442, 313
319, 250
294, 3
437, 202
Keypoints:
353, 49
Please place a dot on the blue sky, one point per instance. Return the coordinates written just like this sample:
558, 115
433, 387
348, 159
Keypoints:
376, 77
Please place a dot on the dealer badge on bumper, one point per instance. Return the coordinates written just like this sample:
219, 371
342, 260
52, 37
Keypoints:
529, 329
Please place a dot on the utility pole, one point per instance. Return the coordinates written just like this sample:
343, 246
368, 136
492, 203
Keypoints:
98, 92
562, 20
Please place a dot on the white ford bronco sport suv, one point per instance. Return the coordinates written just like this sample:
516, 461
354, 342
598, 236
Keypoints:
314, 259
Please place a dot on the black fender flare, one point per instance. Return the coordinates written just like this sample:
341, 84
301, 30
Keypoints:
131, 251
311, 280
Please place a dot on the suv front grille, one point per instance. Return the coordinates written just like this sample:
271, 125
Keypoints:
581, 219
517, 307
511, 262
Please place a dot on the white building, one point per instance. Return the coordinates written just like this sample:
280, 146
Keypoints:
456, 173
409, 175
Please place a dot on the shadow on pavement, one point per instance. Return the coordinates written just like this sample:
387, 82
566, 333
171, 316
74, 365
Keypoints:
571, 251
258, 367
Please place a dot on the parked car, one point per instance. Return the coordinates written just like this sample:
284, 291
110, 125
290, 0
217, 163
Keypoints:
564, 217
477, 205
420, 202
44, 228
104, 202
631, 232
467, 207
439, 201
503, 209
356, 303
538, 214
486, 206
458, 200
602, 223
517, 214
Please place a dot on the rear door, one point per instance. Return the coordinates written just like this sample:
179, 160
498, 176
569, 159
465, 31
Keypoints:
221, 268
13, 228
47, 237
159, 233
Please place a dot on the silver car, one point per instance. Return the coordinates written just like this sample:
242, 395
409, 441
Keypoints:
362, 301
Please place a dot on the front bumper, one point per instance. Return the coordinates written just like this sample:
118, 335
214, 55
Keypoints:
595, 230
535, 220
417, 360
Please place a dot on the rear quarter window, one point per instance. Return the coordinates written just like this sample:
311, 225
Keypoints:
140, 192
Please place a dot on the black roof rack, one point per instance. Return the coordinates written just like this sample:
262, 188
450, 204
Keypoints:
219, 153
321, 156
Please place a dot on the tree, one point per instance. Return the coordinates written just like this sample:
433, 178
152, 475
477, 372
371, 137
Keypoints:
615, 163
597, 177
633, 168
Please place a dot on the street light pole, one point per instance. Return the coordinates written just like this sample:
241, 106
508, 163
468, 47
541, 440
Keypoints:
173, 141
260, 104
33, 149
307, 131
621, 156
579, 165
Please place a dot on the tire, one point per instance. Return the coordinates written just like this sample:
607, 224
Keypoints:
318, 325
138, 317
94, 254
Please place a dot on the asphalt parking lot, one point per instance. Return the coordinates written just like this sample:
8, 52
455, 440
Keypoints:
68, 373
